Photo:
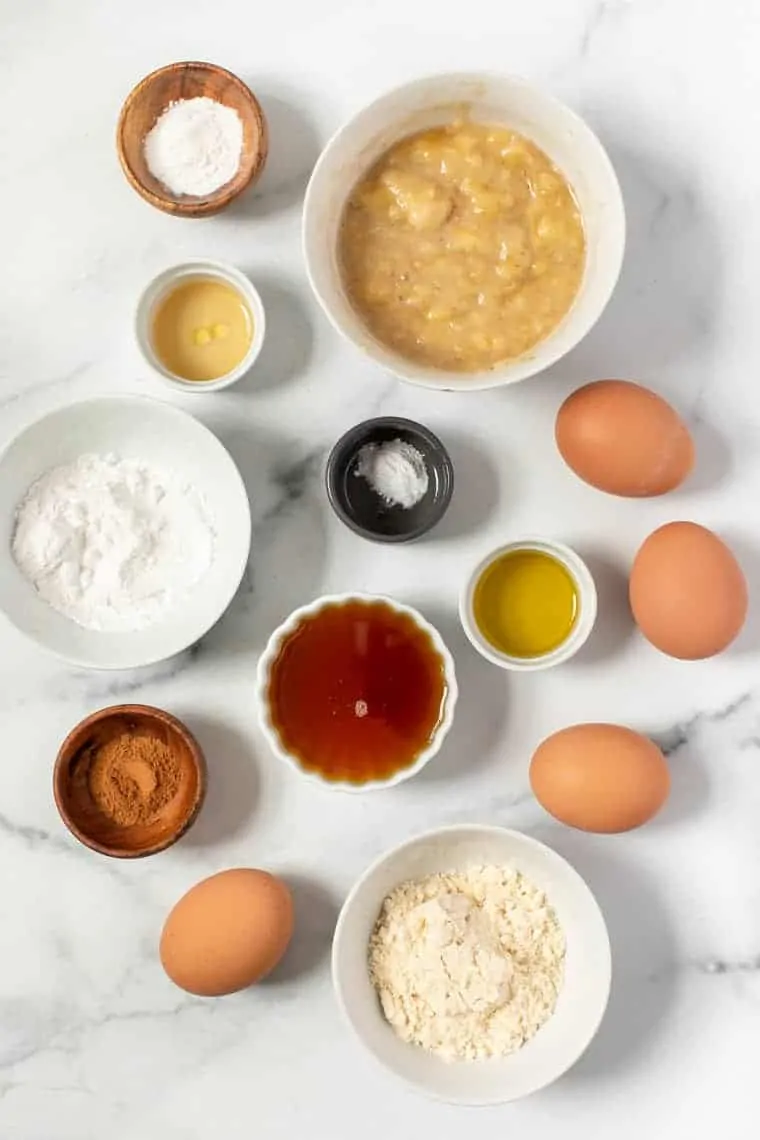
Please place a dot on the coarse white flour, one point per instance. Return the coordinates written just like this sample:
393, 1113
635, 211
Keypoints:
195, 146
467, 964
114, 544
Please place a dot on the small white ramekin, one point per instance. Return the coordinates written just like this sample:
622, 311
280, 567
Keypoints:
168, 280
584, 622
271, 652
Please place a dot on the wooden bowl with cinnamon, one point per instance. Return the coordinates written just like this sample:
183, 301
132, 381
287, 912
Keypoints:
129, 781
158, 91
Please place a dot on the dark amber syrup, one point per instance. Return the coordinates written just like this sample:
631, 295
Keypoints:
357, 691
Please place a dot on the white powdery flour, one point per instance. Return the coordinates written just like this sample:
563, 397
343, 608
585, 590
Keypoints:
113, 544
195, 146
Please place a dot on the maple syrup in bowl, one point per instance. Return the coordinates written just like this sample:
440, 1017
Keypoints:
356, 691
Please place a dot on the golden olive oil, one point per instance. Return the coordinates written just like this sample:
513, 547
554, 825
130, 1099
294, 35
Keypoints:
526, 603
202, 329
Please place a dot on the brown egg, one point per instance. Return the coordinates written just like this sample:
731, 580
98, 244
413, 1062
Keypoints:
623, 439
688, 593
600, 777
227, 932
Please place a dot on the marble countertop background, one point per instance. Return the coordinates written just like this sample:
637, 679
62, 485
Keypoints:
94, 1041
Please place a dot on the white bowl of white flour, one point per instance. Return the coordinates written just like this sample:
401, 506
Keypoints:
474, 963
125, 531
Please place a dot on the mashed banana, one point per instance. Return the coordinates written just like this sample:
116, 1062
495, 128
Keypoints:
462, 247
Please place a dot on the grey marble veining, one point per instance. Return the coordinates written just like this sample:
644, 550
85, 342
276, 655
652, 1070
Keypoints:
94, 1041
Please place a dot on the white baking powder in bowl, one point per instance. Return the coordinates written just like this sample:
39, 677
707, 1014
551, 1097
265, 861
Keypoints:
194, 148
395, 471
113, 544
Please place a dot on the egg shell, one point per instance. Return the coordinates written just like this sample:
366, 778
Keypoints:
600, 777
624, 439
687, 591
227, 932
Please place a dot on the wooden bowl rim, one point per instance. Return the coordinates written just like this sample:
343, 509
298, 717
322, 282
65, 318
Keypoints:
247, 172
67, 751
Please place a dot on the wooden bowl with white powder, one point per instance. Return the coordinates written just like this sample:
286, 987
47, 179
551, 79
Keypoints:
191, 137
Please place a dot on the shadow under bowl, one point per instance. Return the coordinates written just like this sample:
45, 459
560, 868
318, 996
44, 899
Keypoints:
87, 822
363, 509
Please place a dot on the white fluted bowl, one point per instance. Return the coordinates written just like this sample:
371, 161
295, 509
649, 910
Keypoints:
272, 651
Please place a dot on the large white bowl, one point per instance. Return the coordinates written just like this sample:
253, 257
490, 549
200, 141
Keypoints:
131, 427
432, 101
582, 1000
272, 651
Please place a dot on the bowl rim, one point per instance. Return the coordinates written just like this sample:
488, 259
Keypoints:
66, 753
521, 368
581, 630
443, 462
179, 413
161, 284
271, 651
451, 830
188, 207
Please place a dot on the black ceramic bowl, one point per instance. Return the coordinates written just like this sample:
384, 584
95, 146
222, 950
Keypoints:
361, 508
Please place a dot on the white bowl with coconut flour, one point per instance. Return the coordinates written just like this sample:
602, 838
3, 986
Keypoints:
125, 531
475, 939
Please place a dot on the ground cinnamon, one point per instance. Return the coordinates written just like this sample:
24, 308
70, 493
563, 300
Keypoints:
132, 777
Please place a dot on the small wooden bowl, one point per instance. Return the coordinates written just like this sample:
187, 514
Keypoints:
148, 101
71, 788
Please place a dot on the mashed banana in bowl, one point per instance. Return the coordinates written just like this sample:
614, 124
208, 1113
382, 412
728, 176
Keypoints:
462, 247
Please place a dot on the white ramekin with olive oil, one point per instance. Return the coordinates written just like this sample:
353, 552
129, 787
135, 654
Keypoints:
529, 605
200, 325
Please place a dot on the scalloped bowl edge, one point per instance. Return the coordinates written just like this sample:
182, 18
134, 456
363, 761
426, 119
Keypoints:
272, 650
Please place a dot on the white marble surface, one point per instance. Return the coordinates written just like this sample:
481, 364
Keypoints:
94, 1041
